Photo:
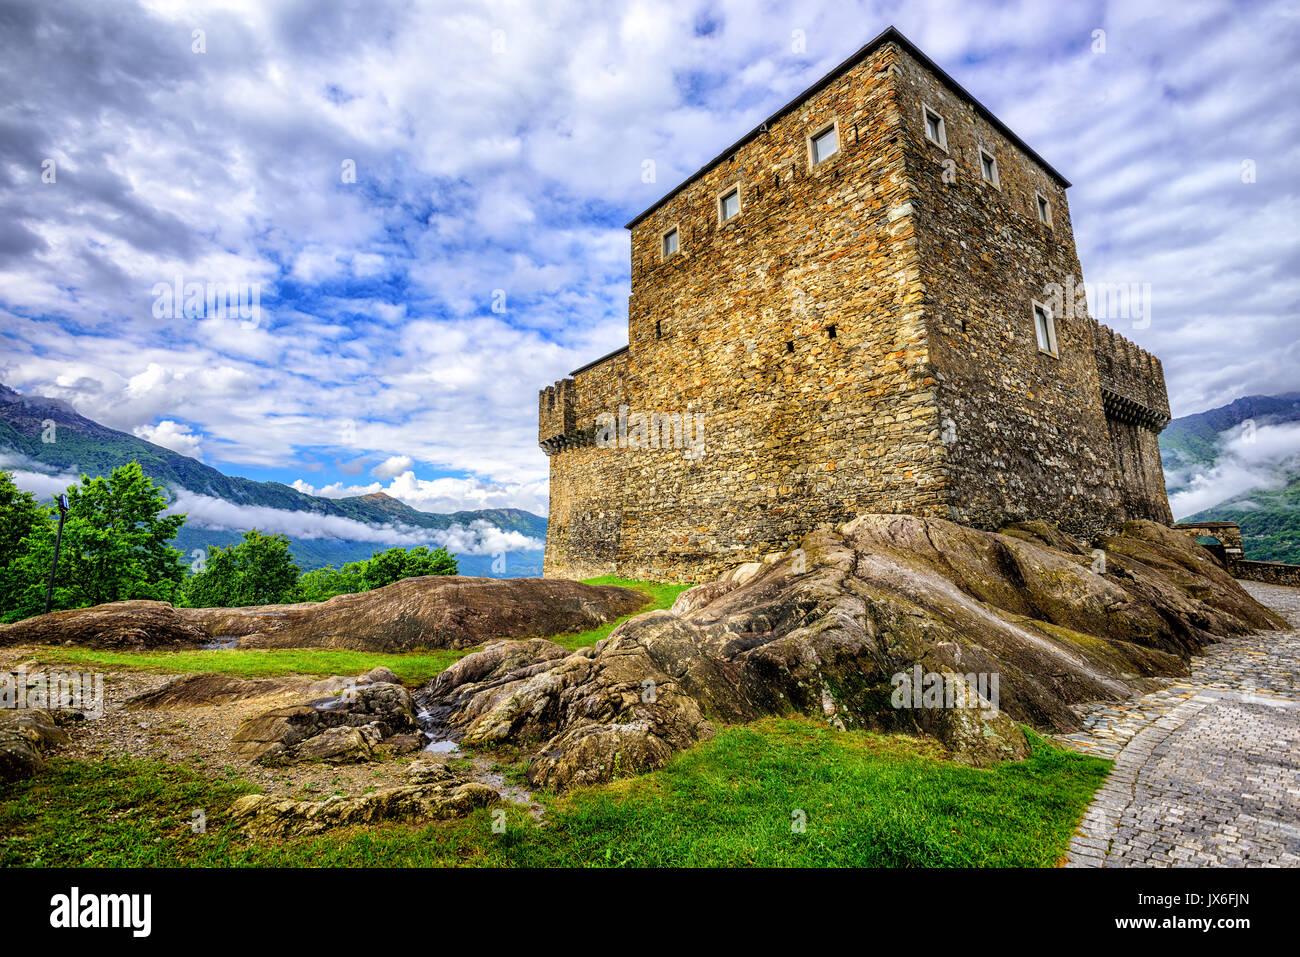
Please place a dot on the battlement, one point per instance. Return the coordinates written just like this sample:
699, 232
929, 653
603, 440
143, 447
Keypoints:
556, 414
1132, 381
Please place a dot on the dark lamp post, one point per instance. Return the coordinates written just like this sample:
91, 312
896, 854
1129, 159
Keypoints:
58, 540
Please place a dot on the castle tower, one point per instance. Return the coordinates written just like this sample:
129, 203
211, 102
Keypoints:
870, 303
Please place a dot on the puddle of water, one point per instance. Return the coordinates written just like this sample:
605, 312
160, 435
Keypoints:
442, 747
220, 643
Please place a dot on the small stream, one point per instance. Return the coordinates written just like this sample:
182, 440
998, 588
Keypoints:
443, 739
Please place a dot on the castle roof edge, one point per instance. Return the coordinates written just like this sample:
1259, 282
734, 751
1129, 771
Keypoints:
888, 35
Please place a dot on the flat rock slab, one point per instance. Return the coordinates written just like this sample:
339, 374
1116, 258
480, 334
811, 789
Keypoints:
1207, 769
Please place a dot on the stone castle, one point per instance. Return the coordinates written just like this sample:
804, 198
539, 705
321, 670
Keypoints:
870, 303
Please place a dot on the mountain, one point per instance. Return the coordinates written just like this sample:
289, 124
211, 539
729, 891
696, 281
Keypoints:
1249, 451
1269, 520
78, 445
1193, 440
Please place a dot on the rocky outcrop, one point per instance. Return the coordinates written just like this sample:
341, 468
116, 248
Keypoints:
126, 625
441, 611
260, 815
25, 735
1010, 627
199, 690
430, 612
338, 730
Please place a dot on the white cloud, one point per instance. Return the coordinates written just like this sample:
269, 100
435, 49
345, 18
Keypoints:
172, 435
478, 538
43, 485
392, 466
443, 494
1250, 457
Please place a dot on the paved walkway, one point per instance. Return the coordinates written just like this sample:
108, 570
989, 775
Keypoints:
1207, 769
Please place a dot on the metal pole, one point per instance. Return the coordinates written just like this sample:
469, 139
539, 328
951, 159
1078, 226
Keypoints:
58, 540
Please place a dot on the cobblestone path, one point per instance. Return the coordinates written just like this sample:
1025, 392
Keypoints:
1207, 769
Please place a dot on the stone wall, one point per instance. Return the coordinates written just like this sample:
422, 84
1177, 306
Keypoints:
1275, 573
859, 339
1025, 430
813, 384
1228, 548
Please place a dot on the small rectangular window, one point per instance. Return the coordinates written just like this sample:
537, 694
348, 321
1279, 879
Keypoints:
989, 167
825, 145
1044, 329
934, 128
729, 204
830, 332
670, 242
1044, 210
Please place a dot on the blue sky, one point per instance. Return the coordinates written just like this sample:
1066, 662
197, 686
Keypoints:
498, 148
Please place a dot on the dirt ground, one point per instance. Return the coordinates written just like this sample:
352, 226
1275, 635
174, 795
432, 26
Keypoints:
201, 734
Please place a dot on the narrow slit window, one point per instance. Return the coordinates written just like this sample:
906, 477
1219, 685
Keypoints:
825, 145
934, 128
1044, 329
830, 332
729, 204
988, 167
670, 242
659, 329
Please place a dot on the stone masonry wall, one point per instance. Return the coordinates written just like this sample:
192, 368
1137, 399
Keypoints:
1025, 431
1137, 408
802, 424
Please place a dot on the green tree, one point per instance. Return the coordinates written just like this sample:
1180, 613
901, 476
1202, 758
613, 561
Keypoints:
322, 583
20, 516
394, 564
115, 547
381, 568
257, 571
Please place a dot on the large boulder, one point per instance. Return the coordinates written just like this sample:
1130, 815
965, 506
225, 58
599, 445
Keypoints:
25, 735
127, 625
889, 622
440, 611
199, 690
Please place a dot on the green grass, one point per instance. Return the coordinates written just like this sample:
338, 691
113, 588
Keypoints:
411, 668
658, 594
867, 799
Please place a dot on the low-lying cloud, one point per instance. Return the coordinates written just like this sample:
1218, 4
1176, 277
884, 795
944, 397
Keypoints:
478, 538
1251, 457
442, 494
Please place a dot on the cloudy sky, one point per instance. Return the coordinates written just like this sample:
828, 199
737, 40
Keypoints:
427, 200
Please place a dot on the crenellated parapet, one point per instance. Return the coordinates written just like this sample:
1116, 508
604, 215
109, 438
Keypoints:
557, 411
557, 419
1132, 381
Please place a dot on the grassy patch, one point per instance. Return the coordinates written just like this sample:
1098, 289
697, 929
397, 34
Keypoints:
658, 595
411, 668
866, 799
